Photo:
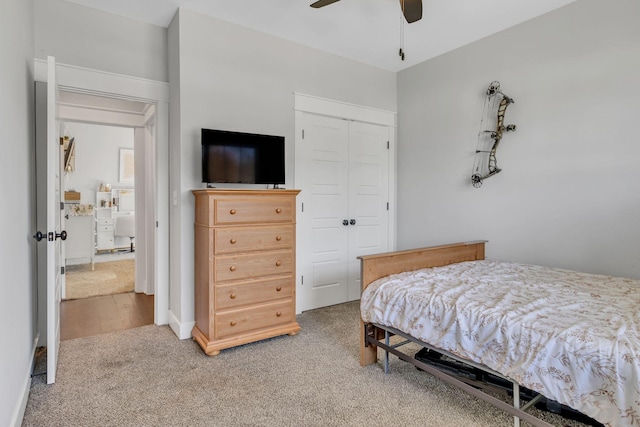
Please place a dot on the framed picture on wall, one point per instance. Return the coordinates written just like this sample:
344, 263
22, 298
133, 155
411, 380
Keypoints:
126, 165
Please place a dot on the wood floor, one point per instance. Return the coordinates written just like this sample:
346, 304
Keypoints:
98, 315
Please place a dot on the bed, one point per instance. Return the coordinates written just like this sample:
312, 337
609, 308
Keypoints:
571, 337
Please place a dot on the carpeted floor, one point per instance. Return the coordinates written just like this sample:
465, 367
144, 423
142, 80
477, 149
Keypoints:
147, 377
108, 278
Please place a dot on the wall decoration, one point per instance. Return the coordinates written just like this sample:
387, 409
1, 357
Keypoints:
69, 147
490, 135
126, 165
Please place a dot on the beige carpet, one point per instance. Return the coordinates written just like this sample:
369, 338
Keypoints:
108, 278
147, 377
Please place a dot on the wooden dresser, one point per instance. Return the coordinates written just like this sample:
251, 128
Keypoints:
244, 266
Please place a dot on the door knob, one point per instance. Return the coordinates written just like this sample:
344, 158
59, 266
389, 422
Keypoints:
345, 222
50, 236
352, 222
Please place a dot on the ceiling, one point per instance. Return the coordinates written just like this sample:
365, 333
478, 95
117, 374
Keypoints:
367, 31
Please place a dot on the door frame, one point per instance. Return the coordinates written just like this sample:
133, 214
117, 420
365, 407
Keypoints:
304, 103
94, 82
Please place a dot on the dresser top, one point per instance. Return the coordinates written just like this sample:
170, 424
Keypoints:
244, 192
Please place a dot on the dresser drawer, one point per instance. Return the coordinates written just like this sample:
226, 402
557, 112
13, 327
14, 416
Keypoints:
235, 322
246, 293
240, 267
236, 239
242, 211
105, 221
105, 229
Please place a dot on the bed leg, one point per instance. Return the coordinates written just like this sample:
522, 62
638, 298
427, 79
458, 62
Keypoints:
386, 353
368, 353
516, 403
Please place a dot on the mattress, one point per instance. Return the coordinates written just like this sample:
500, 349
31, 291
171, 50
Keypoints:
571, 336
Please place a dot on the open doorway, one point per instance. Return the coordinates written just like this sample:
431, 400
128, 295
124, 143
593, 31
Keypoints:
110, 87
106, 286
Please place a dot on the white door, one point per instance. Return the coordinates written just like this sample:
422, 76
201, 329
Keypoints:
368, 197
342, 170
322, 175
54, 277
49, 200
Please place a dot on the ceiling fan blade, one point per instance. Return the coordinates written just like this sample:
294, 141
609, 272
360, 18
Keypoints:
412, 10
322, 3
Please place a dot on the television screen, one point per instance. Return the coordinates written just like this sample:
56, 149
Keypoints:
242, 158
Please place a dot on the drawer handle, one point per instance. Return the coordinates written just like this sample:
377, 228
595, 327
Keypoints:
278, 263
233, 323
232, 268
278, 288
278, 238
278, 210
232, 241
232, 211
278, 313
232, 296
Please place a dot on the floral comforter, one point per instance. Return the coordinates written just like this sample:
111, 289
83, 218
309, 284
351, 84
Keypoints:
574, 337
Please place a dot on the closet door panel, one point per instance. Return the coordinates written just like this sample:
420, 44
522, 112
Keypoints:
368, 196
322, 234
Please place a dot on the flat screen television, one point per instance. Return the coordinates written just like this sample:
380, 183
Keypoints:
242, 158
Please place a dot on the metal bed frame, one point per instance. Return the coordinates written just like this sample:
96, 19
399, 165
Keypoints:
470, 386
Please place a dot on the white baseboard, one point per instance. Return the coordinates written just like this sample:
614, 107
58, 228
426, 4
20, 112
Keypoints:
182, 330
18, 414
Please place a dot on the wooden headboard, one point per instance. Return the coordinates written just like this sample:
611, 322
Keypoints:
373, 267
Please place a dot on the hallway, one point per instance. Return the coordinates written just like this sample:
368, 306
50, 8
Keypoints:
99, 315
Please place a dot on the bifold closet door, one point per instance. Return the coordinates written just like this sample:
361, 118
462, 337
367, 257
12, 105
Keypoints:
342, 170
368, 197
322, 172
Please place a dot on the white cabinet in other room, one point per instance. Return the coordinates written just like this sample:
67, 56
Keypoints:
104, 221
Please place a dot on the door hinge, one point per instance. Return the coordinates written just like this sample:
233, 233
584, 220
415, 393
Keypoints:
156, 224
387, 205
62, 269
302, 206
302, 133
387, 145
61, 206
302, 280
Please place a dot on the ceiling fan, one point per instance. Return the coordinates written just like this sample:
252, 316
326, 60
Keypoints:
412, 9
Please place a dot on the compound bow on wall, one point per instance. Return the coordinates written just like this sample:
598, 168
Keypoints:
486, 165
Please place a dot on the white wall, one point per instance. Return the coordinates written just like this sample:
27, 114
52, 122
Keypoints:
90, 38
97, 157
17, 216
233, 78
569, 192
